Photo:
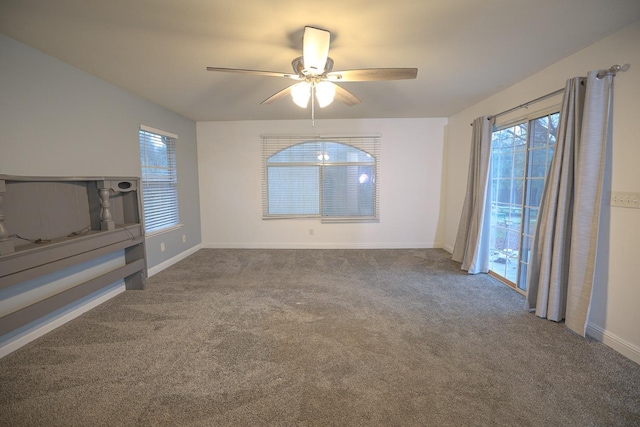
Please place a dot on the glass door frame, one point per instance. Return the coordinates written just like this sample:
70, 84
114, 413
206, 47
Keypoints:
538, 153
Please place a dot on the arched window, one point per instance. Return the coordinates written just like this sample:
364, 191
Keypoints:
333, 179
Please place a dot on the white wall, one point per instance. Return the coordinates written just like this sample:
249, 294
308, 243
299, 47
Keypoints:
615, 313
229, 164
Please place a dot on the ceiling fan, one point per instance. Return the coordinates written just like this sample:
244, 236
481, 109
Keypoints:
316, 78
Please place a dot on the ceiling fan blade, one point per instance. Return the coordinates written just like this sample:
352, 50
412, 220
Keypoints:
345, 96
255, 72
278, 95
372, 74
315, 49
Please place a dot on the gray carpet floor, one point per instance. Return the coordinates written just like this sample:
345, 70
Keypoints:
317, 338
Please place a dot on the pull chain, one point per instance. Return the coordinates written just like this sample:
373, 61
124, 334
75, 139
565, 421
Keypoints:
313, 105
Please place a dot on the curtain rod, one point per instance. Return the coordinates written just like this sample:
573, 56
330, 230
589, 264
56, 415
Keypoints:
526, 104
613, 70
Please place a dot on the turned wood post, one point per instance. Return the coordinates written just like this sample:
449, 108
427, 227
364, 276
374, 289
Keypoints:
106, 222
6, 245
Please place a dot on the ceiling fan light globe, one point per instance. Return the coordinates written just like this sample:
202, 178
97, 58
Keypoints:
325, 92
301, 92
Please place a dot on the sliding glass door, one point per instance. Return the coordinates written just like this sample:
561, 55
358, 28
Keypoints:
520, 157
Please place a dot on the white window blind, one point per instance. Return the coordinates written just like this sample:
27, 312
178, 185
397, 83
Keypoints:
159, 179
334, 178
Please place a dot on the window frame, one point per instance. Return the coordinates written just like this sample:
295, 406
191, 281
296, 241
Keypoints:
275, 144
168, 215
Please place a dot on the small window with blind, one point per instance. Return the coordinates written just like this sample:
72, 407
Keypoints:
159, 180
331, 178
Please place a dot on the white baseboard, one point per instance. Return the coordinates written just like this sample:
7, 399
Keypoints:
388, 245
623, 347
39, 330
168, 263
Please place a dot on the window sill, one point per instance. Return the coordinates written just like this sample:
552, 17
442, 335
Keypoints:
348, 220
163, 230
323, 220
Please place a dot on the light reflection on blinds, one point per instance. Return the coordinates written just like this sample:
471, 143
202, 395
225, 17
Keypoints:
159, 181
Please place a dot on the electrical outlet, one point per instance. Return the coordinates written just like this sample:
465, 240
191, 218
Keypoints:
184, 238
162, 247
311, 232
625, 200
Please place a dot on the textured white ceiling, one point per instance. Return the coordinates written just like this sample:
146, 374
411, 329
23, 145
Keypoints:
465, 50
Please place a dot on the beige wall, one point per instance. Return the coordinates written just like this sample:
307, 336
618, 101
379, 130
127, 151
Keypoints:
410, 186
615, 313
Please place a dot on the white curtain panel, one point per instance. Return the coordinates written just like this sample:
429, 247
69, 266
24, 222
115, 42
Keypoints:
563, 256
472, 242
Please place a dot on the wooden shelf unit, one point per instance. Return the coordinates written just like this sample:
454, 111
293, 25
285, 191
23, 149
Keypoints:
67, 221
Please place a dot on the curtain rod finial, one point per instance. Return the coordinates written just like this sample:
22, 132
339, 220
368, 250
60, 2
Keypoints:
613, 70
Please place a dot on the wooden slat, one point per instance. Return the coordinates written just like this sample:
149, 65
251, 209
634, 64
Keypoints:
51, 267
42, 308
37, 256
